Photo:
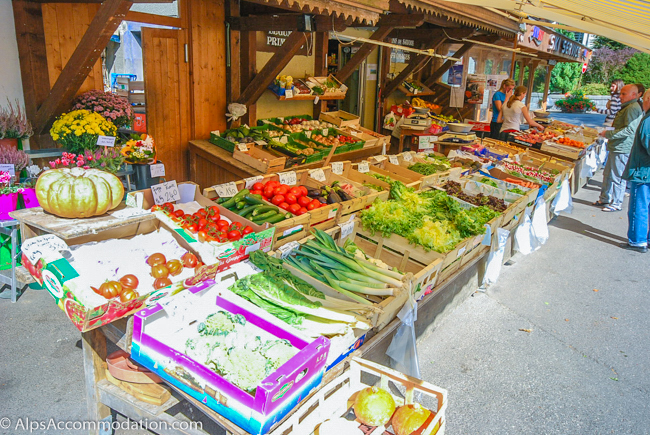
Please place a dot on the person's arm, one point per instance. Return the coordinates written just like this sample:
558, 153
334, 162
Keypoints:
644, 132
498, 104
632, 120
500, 117
529, 120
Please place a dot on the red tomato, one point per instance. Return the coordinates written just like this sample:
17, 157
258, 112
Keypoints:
296, 191
272, 183
193, 228
293, 208
179, 213
156, 259
283, 205
302, 211
203, 222
168, 206
222, 223
315, 202
277, 199
323, 205
161, 282
156, 208
213, 210
128, 294
215, 217
258, 186
247, 230
202, 213
175, 267
268, 192
282, 190
129, 281
304, 201
234, 235
256, 192
303, 189
236, 225
311, 206
159, 271
189, 260
291, 198
203, 235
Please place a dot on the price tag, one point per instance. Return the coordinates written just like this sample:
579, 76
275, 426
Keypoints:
308, 133
346, 229
288, 93
332, 213
242, 147
316, 99
252, 180
337, 168
393, 160
407, 157
260, 142
288, 178
326, 132
130, 212
7, 167
286, 250
226, 190
284, 139
461, 251
157, 170
380, 158
363, 167
37, 247
317, 174
290, 231
427, 142
252, 248
165, 192
106, 141
383, 149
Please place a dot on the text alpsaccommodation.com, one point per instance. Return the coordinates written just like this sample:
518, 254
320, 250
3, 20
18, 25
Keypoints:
29, 425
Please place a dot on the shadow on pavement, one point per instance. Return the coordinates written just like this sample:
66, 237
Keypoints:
569, 224
585, 202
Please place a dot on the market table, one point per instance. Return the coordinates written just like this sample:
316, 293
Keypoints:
210, 164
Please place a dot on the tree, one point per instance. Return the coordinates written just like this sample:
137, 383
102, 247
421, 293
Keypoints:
606, 64
601, 41
565, 77
637, 70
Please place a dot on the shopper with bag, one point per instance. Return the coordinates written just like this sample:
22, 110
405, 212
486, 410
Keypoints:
498, 100
637, 173
619, 145
513, 111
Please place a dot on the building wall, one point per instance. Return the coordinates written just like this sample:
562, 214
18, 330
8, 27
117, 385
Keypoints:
11, 86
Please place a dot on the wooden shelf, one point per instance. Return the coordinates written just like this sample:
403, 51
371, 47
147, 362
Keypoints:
425, 90
304, 97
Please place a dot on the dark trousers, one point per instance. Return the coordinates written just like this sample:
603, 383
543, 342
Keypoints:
495, 127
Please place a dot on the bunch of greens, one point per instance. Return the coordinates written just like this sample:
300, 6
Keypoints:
517, 190
489, 182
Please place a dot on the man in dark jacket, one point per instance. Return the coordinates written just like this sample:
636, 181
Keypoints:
637, 172
619, 144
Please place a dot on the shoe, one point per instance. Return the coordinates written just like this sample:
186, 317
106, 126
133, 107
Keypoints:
599, 203
640, 249
627, 194
611, 208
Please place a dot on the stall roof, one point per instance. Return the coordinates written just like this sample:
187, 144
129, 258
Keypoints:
358, 12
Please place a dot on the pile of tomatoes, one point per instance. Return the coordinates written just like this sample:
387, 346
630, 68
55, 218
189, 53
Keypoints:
293, 199
347, 139
34, 271
206, 224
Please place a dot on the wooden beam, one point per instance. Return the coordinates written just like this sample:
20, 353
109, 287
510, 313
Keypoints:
285, 22
160, 20
448, 63
90, 1
248, 69
320, 66
30, 36
523, 63
233, 78
547, 84
401, 20
99, 32
531, 78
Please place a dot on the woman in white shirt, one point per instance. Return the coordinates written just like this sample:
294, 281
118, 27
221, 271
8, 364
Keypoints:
512, 113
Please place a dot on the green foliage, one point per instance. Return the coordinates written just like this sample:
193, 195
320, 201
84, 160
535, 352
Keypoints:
637, 70
565, 77
595, 89
576, 102
601, 42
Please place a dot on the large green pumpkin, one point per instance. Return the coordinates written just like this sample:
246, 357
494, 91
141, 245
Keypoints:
78, 193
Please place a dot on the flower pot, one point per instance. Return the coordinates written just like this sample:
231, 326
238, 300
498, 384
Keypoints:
29, 197
8, 203
12, 142
142, 177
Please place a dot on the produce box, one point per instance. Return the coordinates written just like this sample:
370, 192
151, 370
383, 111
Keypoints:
226, 254
530, 195
330, 86
323, 217
501, 175
409, 158
340, 118
217, 140
58, 268
335, 400
259, 159
285, 231
562, 150
516, 203
395, 172
279, 90
163, 353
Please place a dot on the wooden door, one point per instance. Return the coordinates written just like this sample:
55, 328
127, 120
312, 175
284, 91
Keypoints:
167, 95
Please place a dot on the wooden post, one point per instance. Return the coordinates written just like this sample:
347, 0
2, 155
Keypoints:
320, 66
384, 69
233, 87
531, 79
547, 84
445, 66
94, 352
522, 69
92, 44
248, 66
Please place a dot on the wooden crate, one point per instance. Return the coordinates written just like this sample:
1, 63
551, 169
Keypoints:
286, 231
562, 150
323, 217
395, 172
259, 159
336, 399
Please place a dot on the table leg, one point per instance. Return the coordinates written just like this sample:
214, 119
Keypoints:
401, 144
94, 350
14, 241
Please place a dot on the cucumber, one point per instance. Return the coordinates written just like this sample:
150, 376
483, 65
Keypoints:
264, 209
263, 216
254, 199
232, 201
274, 219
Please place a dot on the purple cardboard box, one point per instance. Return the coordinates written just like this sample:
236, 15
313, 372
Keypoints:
158, 344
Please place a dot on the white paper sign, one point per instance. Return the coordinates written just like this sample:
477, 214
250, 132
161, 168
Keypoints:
364, 167
393, 160
317, 174
157, 170
288, 93
332, 213
380, 158
337, 168
288, 178
226, 190
308, 133
251, 181
316, 99
260, 142
283, 139
106, 141
407, 157
346, 229
461, 251
326, 132
286, 250
36, 247
6, 167
242, 147
427, 142
165, 192
130, 212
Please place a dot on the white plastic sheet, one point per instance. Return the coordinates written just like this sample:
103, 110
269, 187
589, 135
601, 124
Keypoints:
540, 226
403, 350
495, 259
563, 201
590, 164
525, 239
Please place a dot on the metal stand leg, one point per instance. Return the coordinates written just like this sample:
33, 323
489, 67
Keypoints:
14, 242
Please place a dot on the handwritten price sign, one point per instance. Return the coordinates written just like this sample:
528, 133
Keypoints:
165, 192
226, 190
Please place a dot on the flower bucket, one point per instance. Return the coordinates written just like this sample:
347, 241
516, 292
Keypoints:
8, 203
12, 142
142, 177
29, 197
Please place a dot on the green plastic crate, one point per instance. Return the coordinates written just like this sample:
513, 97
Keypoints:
222, 143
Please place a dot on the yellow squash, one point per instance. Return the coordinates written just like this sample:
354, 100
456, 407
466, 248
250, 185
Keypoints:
78, 193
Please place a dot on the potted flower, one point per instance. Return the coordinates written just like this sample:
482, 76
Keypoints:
109, 160
13, 156
140, 151
575, 103
78, 130
112, 107
8, 195
28, 195
14, 126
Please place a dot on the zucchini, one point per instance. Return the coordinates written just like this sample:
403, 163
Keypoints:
232, 201
262, 217
248, 210
264, 209
254, 199
240, 205
275, 219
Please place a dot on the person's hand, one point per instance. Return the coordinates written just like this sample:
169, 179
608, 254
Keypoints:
509, 94
609, 102
602, 133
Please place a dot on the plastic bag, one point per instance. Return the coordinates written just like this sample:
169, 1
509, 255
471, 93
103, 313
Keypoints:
390, 121
563, 201
495, 259
590, 164
525, 239
403, 350
539, 223
236, 111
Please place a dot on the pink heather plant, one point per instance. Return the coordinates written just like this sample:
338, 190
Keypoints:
12, 156
111, 106
14, 123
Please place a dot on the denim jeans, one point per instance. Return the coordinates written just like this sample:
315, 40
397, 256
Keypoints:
613, 189
638, 214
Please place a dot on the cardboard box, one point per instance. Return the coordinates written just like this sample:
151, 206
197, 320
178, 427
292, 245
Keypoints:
340, 118
274, 398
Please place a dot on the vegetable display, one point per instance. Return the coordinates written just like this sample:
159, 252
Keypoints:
293, 199
374, 406
441, 164
455, 189
334, 193
529, 172
408, 419
516, 190
570, 142
78, 193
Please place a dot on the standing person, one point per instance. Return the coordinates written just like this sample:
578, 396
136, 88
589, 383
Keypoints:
498, 99
619, 145
637, 173
512, 112
614, 104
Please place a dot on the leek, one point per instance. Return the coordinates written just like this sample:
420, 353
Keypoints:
352, 279
367, 290
331, 279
